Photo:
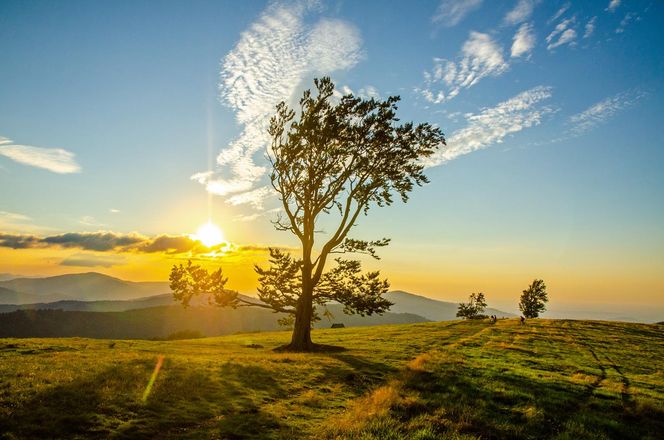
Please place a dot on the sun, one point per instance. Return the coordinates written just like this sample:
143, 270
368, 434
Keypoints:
209, 234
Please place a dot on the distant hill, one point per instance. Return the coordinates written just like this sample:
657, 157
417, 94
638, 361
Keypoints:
160, 322
431, 309
90, 286
8, 296
165, 299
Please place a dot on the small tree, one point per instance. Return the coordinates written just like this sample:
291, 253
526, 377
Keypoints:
474, 308
534, 299
334, 161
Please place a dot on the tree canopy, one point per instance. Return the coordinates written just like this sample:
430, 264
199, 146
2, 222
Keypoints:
333, 159
533, 299
474, 308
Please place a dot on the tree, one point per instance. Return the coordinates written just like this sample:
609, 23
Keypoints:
333, 160
534, 299
474, 308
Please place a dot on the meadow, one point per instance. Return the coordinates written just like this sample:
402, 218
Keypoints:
450, 380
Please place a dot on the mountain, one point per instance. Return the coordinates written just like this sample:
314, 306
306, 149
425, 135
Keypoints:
160, 322
431, 309
8, 296
165, 299
89, 286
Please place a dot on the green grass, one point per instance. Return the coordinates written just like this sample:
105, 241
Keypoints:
546, 379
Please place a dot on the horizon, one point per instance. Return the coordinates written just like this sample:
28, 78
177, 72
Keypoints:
125, 128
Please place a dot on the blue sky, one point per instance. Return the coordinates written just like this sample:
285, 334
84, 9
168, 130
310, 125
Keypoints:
552, 111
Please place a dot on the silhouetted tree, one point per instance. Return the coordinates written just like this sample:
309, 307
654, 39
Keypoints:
474, 308
333, 160
534, 299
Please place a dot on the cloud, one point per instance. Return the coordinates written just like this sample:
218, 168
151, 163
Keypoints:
564, 32
56, 160
451, 12
590, 27
627, 19
521, 12
524, 40
492, 125
613, 5
92, 260
114, 211
88, 220
480, 57
602, 111
273, 59
564, 8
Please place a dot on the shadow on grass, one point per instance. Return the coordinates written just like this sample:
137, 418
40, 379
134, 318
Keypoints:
185, 402
514, 406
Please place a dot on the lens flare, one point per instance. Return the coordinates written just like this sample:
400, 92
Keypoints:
153, 378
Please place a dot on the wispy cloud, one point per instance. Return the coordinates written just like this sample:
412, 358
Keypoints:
85, 259
627, 19
56, 160
492, 125
562, 34
524, 40
521, 12
602, 111
451, 12
14, 221
480, 57
613, 5
590, 27
564, 8
270, 63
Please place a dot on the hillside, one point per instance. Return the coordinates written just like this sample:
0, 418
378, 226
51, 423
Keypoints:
432, 309
90, 286
461, 380
160, 322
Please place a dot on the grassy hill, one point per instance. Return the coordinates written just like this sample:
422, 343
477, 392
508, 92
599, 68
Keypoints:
452, 380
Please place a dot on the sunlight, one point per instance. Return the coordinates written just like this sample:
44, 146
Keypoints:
209, 234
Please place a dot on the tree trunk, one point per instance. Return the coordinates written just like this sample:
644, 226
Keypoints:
301, 338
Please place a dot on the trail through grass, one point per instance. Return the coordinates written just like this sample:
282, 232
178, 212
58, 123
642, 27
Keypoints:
546, 379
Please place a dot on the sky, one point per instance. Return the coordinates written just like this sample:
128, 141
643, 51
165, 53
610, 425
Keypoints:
125, 125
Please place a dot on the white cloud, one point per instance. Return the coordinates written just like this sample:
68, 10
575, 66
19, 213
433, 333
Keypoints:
114, 211
560, 12
255, 197
12, 221
492, 125
590, 27
369, 92
56, 160
564, 32
627, 19
603, 110
273, 60
521, 12
613, 5
524, 40
481, 57
451, 12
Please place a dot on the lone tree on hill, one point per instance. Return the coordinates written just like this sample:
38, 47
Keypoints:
332, 160
474, 308
534, 299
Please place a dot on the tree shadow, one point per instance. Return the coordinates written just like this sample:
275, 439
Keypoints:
517, 406
185, 402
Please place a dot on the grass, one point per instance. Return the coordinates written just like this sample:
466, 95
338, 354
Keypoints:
457, 380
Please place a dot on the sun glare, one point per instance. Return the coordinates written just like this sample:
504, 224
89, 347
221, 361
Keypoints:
210, 235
